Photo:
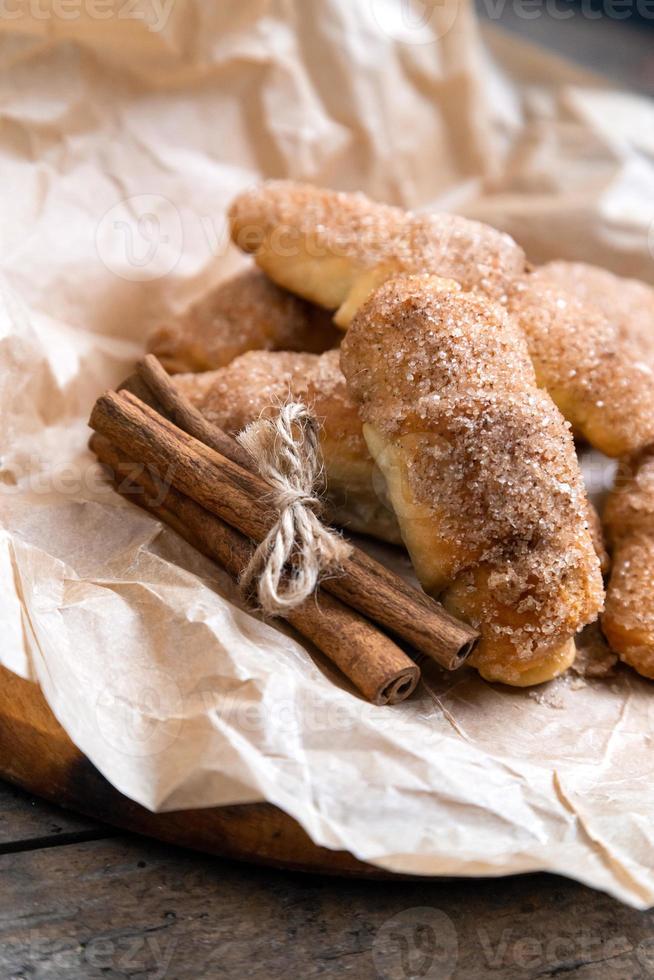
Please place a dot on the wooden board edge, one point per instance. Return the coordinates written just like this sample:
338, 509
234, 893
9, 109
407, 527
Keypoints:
37, 755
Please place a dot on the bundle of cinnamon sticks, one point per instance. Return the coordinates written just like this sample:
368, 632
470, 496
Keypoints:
165, 456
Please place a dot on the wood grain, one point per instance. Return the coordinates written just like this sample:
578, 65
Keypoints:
122, 909
26, 822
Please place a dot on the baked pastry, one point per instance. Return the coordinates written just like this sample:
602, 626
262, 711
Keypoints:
335, 248
480, 469
260, 381
626, 303
628, 621
587, 359
246, 312
597, 537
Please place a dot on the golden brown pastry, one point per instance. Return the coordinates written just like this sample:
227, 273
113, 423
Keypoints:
335, 248
587, 361
597, 536
628, 304
481, 470
247, 312
628, 621
260, 381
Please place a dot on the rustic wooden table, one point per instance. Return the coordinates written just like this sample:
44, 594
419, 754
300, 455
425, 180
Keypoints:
80, 900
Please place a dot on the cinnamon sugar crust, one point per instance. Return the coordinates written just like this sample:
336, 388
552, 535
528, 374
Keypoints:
595, 374
246, 312
628, 304
259, 382
628, 621
334, 248
252, 384
481, 470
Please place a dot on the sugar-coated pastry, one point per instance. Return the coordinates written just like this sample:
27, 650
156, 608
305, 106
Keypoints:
626, 303
587, 360
247, 312
597, 536
258, 382
628, 621
335, 248
481, 470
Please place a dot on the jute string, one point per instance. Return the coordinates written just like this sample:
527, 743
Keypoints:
298, 550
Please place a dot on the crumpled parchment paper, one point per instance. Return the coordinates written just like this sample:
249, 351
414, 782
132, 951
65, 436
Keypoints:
126, 131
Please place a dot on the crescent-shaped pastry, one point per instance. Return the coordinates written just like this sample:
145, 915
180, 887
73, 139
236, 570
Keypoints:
587, 359
247, 312
335, 248
480, 469
628, 621
260, 381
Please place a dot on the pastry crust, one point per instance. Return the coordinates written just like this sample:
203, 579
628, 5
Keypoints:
589, 362
597, 536
260, 381
336, 248
246, 312
628, 621
628, 304
481, 471
595, 358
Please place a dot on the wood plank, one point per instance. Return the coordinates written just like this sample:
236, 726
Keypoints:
27, 822
127, 908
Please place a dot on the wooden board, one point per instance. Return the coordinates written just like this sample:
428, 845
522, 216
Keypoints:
36, 753
132, 909
129, 909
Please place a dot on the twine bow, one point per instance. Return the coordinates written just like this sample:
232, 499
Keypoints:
298, 550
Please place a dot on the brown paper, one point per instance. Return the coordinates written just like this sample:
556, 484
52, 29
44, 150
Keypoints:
124, 138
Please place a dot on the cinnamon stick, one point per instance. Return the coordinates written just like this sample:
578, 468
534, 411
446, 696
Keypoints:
376, 666
176, 407
239, 498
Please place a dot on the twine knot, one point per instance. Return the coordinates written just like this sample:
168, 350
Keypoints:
298, 550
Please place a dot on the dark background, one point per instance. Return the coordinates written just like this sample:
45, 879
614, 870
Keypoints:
622, 48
